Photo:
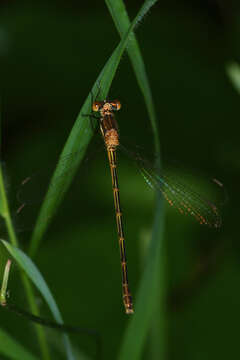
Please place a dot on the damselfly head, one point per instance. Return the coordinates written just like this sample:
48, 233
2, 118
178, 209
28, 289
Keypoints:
106, 106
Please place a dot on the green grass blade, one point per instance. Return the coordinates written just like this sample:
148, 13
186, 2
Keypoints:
79, 138
4, 211
157, 334
3, 291
34, 274
122, 22
148, 295
233, 71
12, 349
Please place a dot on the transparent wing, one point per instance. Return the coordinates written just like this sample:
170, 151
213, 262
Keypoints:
181, 195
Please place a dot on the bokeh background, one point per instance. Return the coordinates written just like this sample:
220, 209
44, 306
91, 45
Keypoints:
50, 56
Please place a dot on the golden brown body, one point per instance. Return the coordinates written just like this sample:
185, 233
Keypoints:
109, 130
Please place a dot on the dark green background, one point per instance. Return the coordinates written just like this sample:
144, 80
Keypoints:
50, 57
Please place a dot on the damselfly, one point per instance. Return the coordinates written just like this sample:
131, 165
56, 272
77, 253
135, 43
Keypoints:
186, 200
109, 130
178, 195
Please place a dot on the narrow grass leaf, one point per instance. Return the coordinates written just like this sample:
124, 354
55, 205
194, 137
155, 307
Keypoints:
4, 210
12, 349
122, 22
1, 126
147, 299
79, 138
34, 274
2, 195
233, 71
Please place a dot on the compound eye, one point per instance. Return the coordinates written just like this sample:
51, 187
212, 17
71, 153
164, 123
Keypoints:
116, 105
96, 105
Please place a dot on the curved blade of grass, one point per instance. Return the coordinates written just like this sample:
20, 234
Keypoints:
121, 19
233, 71
80, 137
4, 211
151, 293
148, 295
12, 349
34, 274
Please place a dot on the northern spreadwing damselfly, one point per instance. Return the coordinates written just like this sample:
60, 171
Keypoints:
187, 202
178, 195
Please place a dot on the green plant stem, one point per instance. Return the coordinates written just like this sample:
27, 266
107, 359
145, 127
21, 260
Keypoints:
156, 348
34, 309
3, 291
157, 336
147, 299
5, 213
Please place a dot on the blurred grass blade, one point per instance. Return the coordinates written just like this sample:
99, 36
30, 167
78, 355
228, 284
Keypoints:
33, 273
80, 137
1, 126
148, 295
158, 326
1, 199
3, 292
2, 192
10, 348
4, 210
233, 71
122, 22
156, 343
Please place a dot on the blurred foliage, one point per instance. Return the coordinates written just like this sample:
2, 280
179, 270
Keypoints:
50, 56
